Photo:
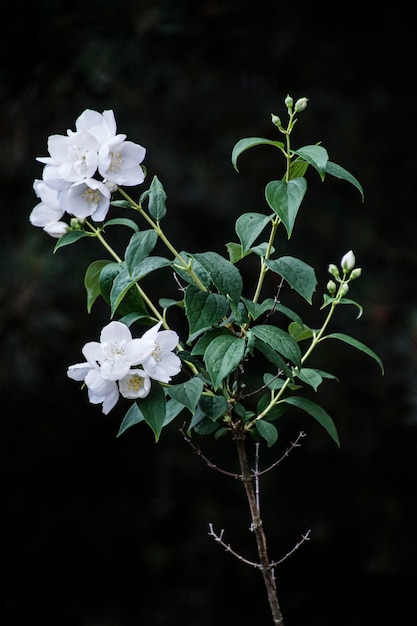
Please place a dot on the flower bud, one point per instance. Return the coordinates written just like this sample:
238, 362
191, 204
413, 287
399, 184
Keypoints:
300, 105
331, 287
355, 273
348, 262
344, 289
289, 102
276, 120
333, 270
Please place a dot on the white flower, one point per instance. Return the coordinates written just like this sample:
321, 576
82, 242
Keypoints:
117, 351
162, 363
119, 161
48, 212
136, 384
100, 390
87, 198
72, 158
101, 125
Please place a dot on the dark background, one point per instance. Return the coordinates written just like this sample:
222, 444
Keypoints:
107, 531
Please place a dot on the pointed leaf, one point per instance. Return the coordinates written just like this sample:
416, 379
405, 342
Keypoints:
223, 356
203, 309
249, 226
139, 247
153, 409
298, 275
317, 412
285, 199
92, 281
70, 237
187, 393
132, 417
280, 341
213, 406
122, 221
250, 142
157, 200
356, 344
339, 172
267, 431
316, 156
224, 275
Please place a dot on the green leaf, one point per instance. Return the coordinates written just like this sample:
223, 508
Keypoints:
273, 356
356, 344
310, 376
153, 409
223, 356
203, 309
280, 341
299, 332
328, 300
173, 408
339, 172
317, 412
132, 417
213, 406
249, 226
92, 281
70, 237
250, 142
187, 393
132, 300
267, 431
157, 200
298, 275
139, 247
201, 345
285, 199
224, 275
316, 156
122, 221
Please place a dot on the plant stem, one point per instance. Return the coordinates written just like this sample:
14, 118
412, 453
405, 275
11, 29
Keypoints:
156, 227
256, 526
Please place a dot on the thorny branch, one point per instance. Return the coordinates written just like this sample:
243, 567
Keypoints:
219, 539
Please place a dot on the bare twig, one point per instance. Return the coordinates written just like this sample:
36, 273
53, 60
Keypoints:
212, 465
293, 445
305, 537
227, 547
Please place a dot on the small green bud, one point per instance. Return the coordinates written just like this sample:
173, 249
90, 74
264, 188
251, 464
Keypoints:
76, 223
289, 102
331, 287
300, 105
276, 120
344, 289
355, 273
333, 270
348, 262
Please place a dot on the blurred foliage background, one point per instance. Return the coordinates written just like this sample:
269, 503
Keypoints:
106, 531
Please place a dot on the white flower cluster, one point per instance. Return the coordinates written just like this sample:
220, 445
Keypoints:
121, 364
68, 182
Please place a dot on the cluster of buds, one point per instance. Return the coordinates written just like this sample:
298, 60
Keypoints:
349, 272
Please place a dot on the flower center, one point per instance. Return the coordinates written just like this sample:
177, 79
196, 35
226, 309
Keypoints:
116, 162
91, 197
135, 383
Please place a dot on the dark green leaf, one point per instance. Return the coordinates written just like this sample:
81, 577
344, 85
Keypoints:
317, 412
280, 341
187, 393
224, 275
298, 275
356, 344
316, 156
70, 237
250, 142
249, 226
267, 431
339, 172
92, 281
223, 356
203, 309
285, 199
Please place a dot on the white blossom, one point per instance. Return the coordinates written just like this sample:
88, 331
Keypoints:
162, 363
48, 212
119, 161
87, 198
